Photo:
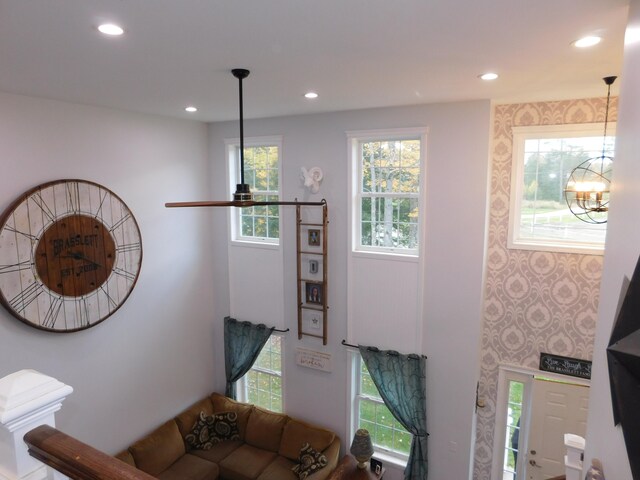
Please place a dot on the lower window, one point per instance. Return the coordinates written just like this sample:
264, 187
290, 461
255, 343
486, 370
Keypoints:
370, 412
262, 385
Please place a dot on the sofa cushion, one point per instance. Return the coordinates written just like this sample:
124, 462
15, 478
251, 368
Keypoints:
126, 457
297, 433
158, 450
220, 404
190, 467
279, 469
190, 416
309, 462
245, 463
264, 429
218, 451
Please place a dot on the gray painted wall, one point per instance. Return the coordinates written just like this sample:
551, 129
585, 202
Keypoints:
453, 263
154, 356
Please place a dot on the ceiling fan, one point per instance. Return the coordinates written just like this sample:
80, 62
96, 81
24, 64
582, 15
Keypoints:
242, 196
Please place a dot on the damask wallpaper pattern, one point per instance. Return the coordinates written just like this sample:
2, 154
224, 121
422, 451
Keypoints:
534, 301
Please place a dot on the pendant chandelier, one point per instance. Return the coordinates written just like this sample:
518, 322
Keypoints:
587, 189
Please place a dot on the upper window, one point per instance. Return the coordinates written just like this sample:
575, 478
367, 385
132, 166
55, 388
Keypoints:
543, 160
369, 412
262, 174
262, 385
386, 179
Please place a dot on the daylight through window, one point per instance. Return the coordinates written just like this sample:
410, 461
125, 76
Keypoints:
262, 174
543, 160
387, 434
512, 435
387, 190
262, 385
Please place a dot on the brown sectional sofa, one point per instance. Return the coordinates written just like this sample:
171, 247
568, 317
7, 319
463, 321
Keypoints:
268, 448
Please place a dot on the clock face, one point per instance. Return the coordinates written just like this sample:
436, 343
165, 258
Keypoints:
70, 254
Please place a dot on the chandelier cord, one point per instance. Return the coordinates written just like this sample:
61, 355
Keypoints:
606, 119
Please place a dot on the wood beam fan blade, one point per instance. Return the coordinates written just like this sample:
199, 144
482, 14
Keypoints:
236, 203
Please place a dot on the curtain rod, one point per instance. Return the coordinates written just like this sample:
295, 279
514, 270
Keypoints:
344, 342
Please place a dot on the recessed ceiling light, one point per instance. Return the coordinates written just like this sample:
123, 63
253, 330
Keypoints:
111, 29
311, 95
587, 42
191, 109
489, 76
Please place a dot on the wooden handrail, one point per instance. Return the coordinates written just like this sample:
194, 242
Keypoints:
77, 460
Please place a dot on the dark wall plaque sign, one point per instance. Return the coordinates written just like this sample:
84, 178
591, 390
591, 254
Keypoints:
574, 367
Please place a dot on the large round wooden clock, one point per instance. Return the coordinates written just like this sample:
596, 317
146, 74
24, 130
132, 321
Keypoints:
70, 255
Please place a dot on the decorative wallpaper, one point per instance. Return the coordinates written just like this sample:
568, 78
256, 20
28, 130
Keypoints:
534, 301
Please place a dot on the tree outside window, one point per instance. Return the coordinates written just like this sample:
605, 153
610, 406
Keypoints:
389, 194
544, 160
262, 385
261, 173
262, 160
387, 434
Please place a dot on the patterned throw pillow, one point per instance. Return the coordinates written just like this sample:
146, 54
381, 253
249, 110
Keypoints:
225, 427
212, 429
309, 462
200, 437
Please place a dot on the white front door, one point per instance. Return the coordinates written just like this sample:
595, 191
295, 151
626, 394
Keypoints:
557, 408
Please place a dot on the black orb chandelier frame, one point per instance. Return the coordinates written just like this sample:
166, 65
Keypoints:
589, 184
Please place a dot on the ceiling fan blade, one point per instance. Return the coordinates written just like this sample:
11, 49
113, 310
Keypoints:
245, 203
211, 203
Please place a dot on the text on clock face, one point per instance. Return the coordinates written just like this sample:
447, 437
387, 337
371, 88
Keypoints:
75, 255
60, 244
90, 267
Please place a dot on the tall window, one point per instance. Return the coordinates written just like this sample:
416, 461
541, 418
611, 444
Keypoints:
370, 412
386, 185
262, 385
262, 174
543, 160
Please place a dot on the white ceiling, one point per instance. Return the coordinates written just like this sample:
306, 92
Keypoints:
354, 53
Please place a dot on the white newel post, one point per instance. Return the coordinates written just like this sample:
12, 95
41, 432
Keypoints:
28, 399
573, 458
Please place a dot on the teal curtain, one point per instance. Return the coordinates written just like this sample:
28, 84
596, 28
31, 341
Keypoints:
243, 342
401, 381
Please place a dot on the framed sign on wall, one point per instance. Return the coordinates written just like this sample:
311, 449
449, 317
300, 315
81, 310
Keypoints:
70, 255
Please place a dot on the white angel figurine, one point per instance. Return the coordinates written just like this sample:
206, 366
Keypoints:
311, 178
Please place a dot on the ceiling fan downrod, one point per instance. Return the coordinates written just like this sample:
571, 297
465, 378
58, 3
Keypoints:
243, 191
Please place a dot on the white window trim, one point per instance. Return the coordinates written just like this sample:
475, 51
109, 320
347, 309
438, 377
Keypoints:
233, 167
353, 174
520, 134
242, 386
383, 455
